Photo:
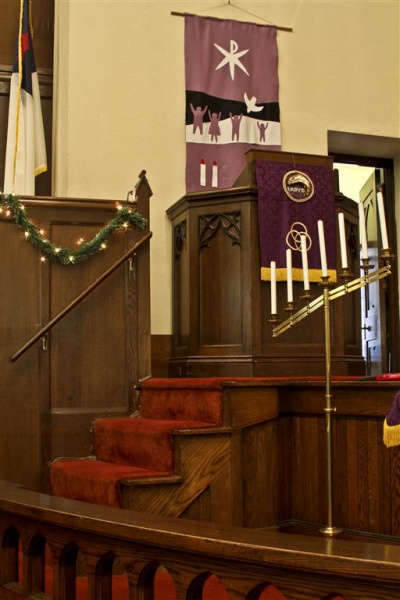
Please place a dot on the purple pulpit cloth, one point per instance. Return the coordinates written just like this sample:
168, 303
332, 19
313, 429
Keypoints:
282, 220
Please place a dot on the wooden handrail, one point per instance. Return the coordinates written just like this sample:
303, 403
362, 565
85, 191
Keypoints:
246, 561
81, 297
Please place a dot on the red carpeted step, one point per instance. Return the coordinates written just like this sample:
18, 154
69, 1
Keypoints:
145, 443
182, 399
93, 480
126, 448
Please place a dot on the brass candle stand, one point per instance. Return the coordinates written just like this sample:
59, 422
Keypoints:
329, 294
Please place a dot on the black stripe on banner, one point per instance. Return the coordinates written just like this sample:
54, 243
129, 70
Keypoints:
270, 111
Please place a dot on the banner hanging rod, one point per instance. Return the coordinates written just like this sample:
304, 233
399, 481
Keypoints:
181, 14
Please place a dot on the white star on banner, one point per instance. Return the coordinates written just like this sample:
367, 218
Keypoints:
232, 57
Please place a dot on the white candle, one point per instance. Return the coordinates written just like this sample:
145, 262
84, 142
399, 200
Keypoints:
202, 172
363, 231
322, 249
273, 288
214, 181
289, 275
382, 221
304, 259
342, 237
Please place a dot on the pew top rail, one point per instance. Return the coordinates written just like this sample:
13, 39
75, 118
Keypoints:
243, 558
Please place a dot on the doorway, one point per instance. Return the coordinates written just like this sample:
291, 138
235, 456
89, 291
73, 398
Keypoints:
359, 179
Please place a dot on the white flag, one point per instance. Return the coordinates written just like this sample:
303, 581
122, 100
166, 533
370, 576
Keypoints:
26, 148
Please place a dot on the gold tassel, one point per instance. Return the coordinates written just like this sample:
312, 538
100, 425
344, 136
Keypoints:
391, 435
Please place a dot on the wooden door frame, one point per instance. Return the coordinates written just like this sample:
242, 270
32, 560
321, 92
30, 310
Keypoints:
391, 283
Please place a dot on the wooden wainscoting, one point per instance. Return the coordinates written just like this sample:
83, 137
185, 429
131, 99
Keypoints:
161, 346
365, 474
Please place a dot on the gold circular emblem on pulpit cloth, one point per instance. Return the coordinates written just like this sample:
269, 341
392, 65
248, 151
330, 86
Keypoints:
298, 186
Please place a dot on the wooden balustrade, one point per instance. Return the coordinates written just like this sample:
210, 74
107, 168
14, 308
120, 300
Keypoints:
250, 564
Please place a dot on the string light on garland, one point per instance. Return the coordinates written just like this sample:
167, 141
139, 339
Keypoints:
126, 215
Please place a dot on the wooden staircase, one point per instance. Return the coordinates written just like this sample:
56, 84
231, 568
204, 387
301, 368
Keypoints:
184, 456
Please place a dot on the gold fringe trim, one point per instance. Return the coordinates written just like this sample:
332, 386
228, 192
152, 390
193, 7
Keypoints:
41, 169
314, 275
391, 435
30, 18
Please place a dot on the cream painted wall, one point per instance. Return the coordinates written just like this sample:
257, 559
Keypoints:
119, 80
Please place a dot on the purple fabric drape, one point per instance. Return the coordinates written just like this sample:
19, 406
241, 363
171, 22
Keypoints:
282, 219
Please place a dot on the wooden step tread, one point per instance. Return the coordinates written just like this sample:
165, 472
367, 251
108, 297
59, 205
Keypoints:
152, 480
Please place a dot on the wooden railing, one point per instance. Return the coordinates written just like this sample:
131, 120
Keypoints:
63, 313
246, 562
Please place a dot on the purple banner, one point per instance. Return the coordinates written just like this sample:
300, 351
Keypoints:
232, 105
291, 201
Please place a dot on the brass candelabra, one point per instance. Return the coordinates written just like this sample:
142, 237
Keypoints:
329, 294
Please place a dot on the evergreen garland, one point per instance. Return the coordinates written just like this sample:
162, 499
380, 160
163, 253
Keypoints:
125, 216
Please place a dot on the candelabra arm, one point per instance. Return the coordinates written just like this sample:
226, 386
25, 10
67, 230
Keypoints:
337, 292
298, 316
356, 284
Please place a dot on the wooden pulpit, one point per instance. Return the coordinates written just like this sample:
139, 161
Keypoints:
221, 308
